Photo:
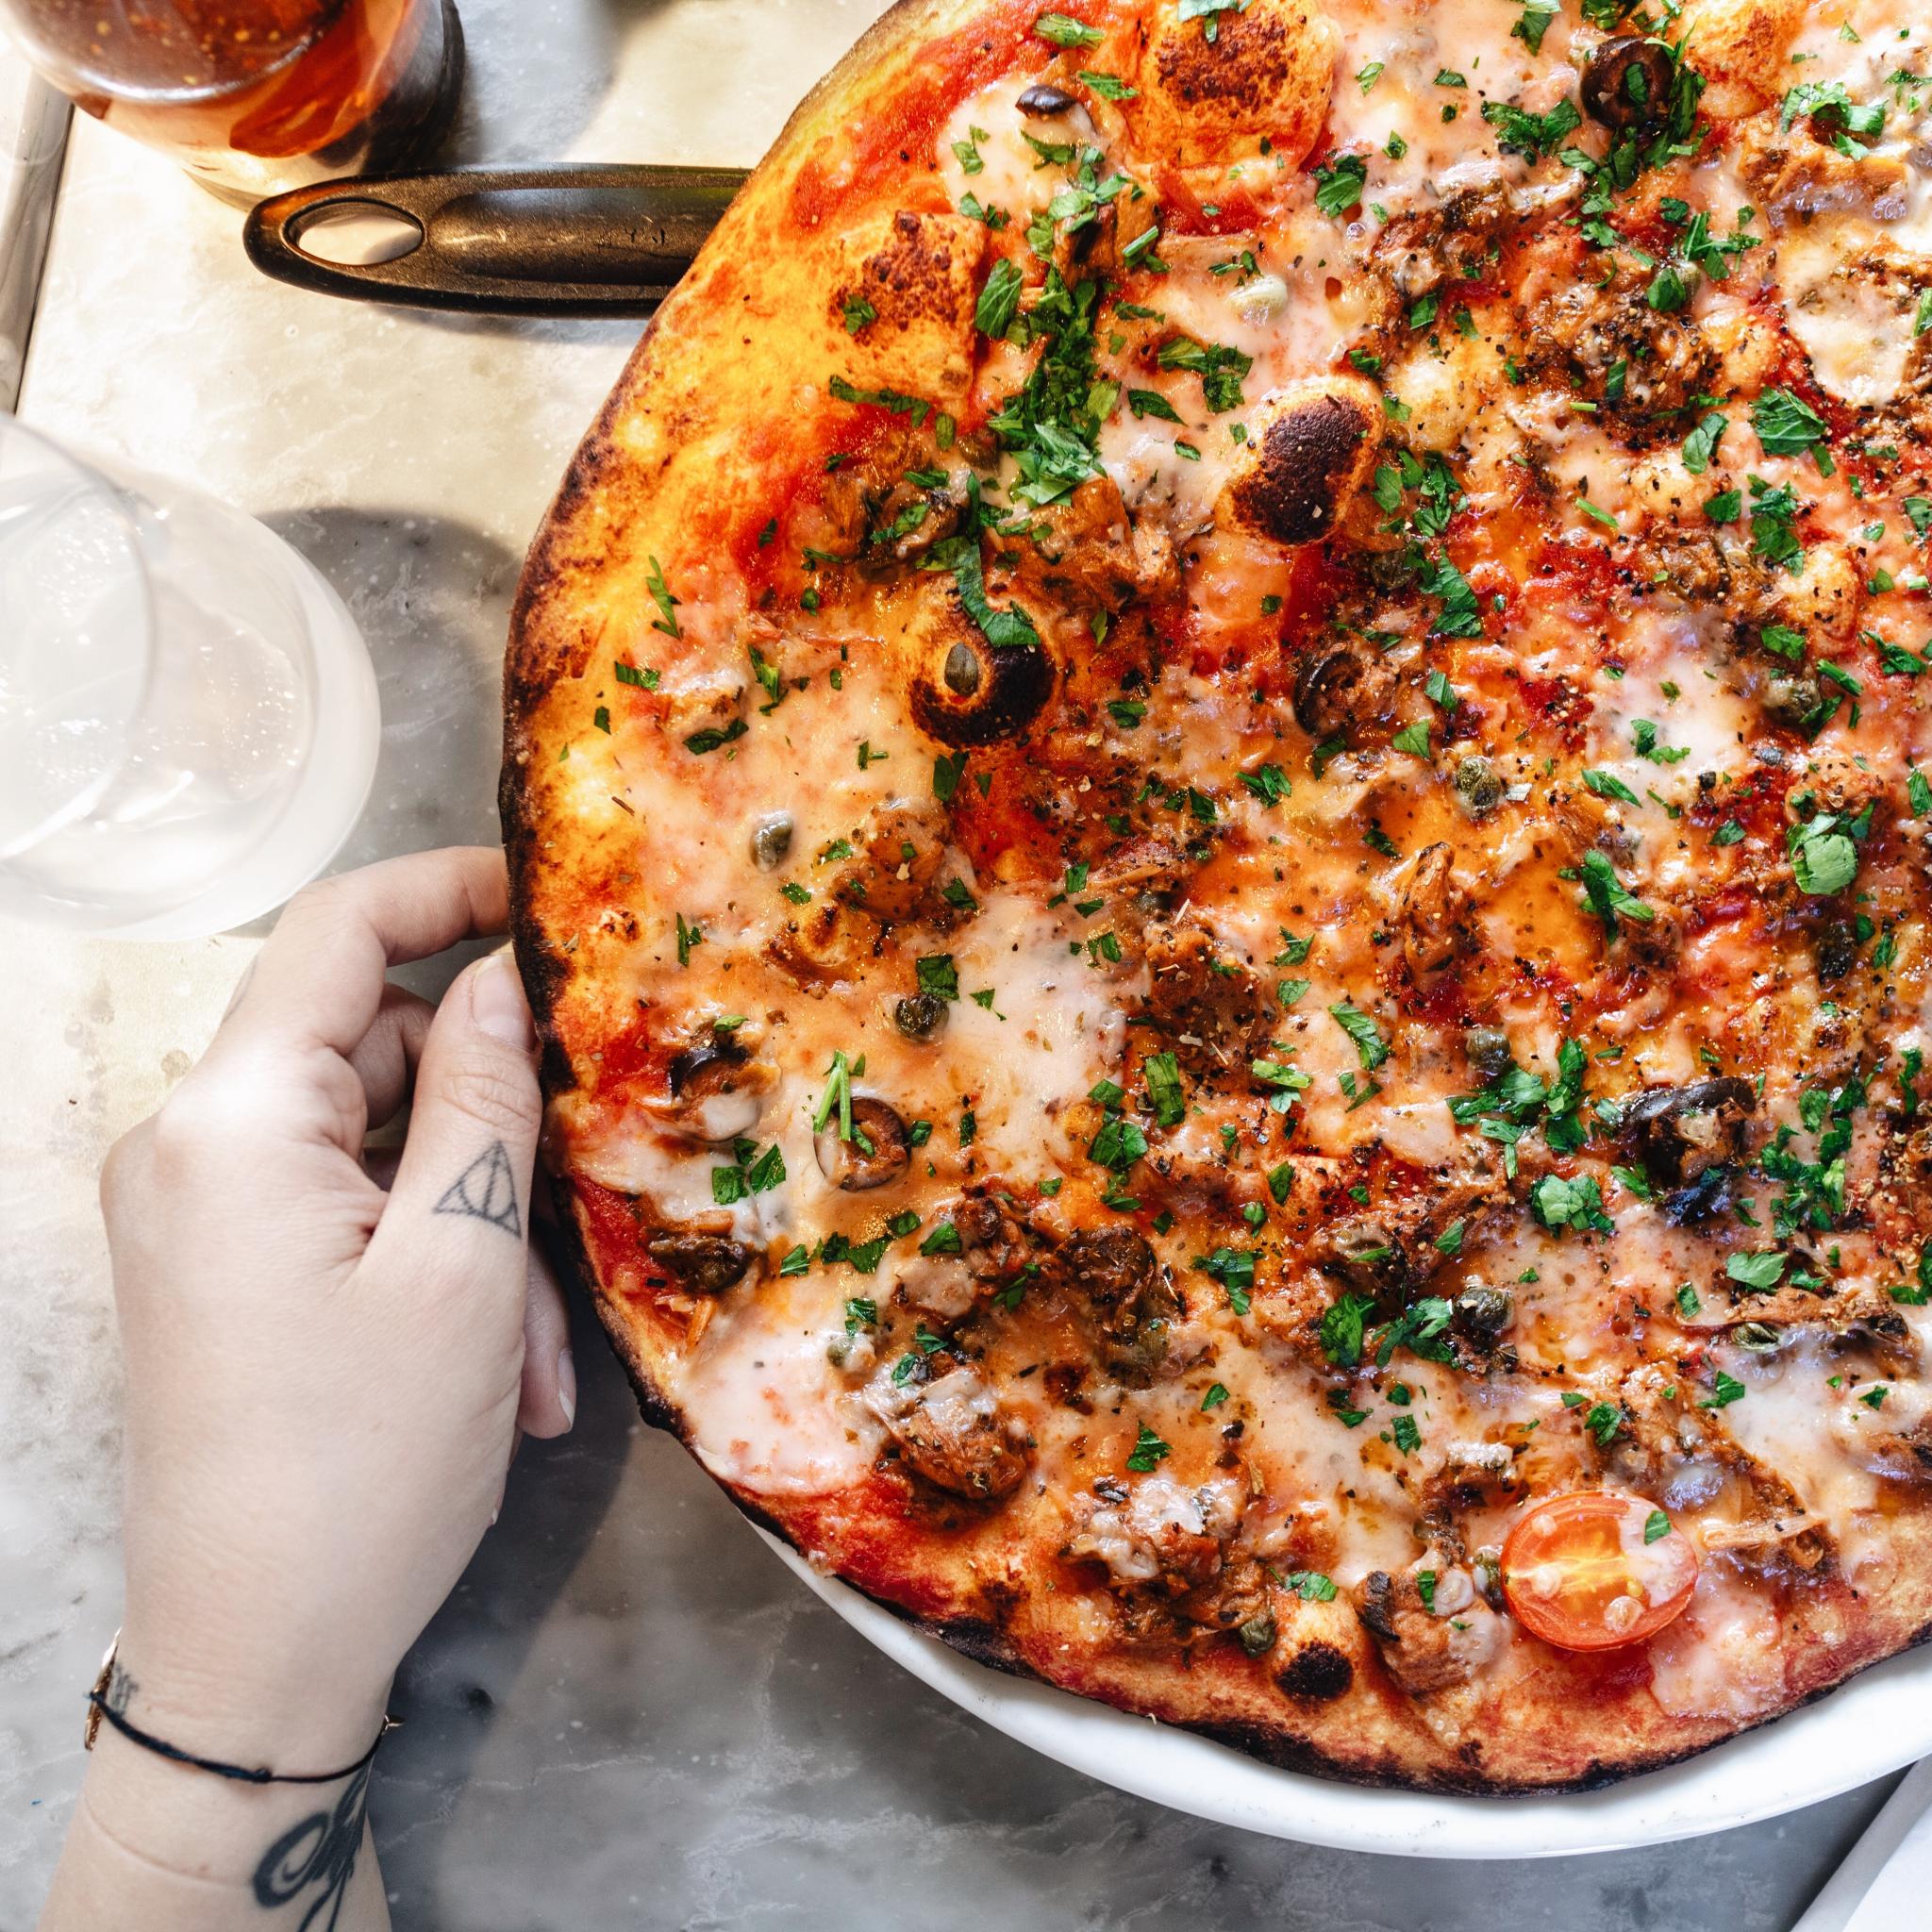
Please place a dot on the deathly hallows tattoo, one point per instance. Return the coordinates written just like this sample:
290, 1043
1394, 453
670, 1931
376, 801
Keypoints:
486, 1190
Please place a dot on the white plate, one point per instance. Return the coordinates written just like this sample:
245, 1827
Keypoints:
1873, 1725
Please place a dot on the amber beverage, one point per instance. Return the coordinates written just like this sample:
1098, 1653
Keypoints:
254, 96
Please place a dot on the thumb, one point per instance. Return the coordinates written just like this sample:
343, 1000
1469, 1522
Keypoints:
460, 1205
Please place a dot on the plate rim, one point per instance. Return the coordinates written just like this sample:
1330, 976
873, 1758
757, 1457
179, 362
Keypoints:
1719, 1790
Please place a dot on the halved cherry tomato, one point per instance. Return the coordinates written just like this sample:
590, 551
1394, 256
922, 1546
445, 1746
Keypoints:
1596, 1569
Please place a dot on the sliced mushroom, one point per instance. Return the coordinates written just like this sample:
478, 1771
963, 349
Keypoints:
1682, 1132
1309, 451
993, 1241
955, 1434
1434, 1645
876, 1156
1107, 1266
703, 1263
1340, 687
1117, 1273
1435, 912
1213, 1009
1629, 82
718, 1091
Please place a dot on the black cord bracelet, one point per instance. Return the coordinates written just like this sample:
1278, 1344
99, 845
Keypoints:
99, 1707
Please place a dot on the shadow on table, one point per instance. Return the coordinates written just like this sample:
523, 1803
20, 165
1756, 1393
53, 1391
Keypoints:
432, 597
447, 1693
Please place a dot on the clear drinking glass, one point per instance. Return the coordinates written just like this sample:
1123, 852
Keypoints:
189, 721
254, 97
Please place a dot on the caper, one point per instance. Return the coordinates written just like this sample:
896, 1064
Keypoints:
1791, 698
1257, 1633
963, 673
1487, 1048
771, 841
1483, 1313
1486, 1565
1479, 785
919, 1016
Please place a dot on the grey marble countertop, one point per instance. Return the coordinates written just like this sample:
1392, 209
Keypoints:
629, 1714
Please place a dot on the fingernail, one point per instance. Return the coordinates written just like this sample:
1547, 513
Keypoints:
497, 1004
567, 1386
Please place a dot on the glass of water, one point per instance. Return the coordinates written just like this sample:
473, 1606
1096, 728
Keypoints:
189, 723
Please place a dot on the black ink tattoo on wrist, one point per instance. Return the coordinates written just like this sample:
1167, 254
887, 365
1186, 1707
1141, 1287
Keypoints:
120, 1688
486, 1190
320, 1851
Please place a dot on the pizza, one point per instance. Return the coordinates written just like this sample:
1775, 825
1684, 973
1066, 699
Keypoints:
1218, 785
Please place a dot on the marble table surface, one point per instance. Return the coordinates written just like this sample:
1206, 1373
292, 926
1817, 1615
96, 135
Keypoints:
629, 1714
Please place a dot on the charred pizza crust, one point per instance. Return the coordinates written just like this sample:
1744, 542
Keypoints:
1384, 662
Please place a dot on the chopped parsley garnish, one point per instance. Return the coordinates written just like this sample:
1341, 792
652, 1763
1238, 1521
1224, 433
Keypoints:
1148, 1450
1220, 368
660, 595
1757, 1273
999, 300
1700, 446
1535, 23
1725, 1390
1370, 1046
938, 975
1004, 629
1161, 1073
688, 935
1786, 425
1823, 858
1207, 12
1269, 783
1338, 183
1150, 402
1050, 425
1606, 894
836, 1098
1531, 135
1234, 1268
1603, 1421
1558, 1202
1607, 785
1341, 1329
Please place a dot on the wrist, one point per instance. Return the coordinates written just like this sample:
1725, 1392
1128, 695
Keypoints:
174, 1849
245, 1713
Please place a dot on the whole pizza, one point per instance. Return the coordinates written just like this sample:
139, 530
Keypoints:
1215, 800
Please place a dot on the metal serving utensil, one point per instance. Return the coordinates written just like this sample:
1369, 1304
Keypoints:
555, 241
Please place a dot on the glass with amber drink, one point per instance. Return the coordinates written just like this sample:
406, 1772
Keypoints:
254, 97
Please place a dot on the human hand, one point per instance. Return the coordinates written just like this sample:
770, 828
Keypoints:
325, 1381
